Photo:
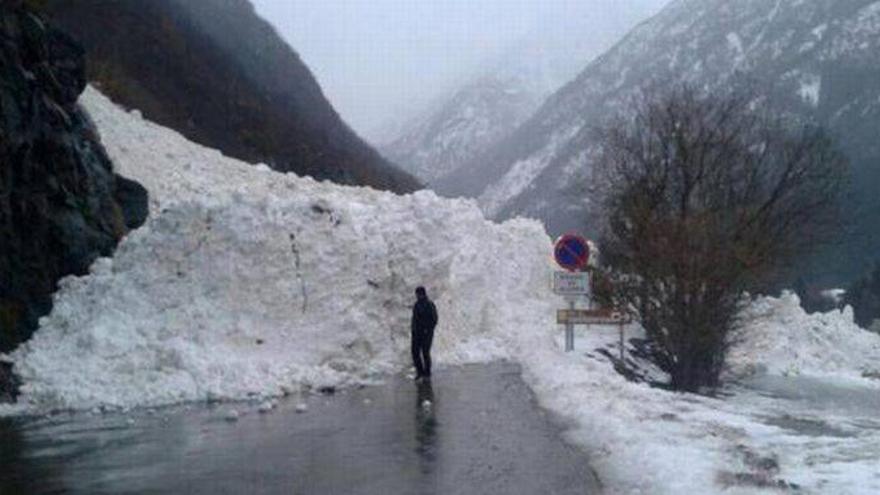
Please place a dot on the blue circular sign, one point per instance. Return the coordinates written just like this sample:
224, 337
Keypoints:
572, 252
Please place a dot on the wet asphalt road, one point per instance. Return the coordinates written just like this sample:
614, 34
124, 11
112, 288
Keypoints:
482, 434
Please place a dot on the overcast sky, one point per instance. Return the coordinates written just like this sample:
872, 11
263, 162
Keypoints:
377, 59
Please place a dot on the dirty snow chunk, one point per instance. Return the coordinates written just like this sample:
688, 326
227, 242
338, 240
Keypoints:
834, 295
735, 43
302, 407
810, 89
780, 338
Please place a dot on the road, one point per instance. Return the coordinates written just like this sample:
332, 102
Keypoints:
482, 434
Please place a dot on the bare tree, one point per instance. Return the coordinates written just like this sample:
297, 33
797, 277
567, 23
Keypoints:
707, 197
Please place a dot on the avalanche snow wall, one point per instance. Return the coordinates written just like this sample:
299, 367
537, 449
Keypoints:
248, 282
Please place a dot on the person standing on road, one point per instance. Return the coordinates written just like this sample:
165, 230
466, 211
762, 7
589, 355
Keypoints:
424, 319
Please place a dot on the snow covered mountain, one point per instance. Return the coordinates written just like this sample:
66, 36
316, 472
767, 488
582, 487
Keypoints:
477, 115
501, 96
819, 59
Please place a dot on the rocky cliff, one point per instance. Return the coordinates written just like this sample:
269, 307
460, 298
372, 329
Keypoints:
61, 205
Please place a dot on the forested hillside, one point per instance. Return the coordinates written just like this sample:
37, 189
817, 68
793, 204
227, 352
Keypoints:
216, 72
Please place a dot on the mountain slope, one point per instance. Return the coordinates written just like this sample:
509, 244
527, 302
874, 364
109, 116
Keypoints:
473, 118
817, 59
216, 72
500, 97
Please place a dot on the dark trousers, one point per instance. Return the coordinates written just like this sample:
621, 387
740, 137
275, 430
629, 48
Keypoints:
421, 351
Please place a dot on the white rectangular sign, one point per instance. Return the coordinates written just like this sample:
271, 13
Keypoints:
571, 283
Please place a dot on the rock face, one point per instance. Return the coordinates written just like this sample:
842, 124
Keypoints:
812, 59
216, 72
61, 205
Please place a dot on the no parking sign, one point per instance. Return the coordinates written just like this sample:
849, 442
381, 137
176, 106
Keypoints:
572, 252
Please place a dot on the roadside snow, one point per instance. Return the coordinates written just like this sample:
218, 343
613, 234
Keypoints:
780, 338
246, 283
769, 432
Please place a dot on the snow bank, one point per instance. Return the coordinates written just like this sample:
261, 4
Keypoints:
780, 338
248, 282
748, 441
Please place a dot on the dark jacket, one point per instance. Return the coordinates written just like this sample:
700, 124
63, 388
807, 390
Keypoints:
424, 317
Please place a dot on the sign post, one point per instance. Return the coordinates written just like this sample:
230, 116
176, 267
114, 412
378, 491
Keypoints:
570, 317
572, 252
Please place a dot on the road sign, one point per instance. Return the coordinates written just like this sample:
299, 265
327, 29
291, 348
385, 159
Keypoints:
591, 317
572, 252
571, 283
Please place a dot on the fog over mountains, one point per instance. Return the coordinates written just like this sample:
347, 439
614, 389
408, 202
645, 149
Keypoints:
506, 90
818, 60
386, 60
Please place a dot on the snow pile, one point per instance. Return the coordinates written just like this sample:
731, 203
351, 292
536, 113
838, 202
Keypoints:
780, 338
636, 435
246, 282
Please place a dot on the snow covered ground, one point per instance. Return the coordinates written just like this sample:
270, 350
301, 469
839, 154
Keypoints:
789, 421
247, 284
